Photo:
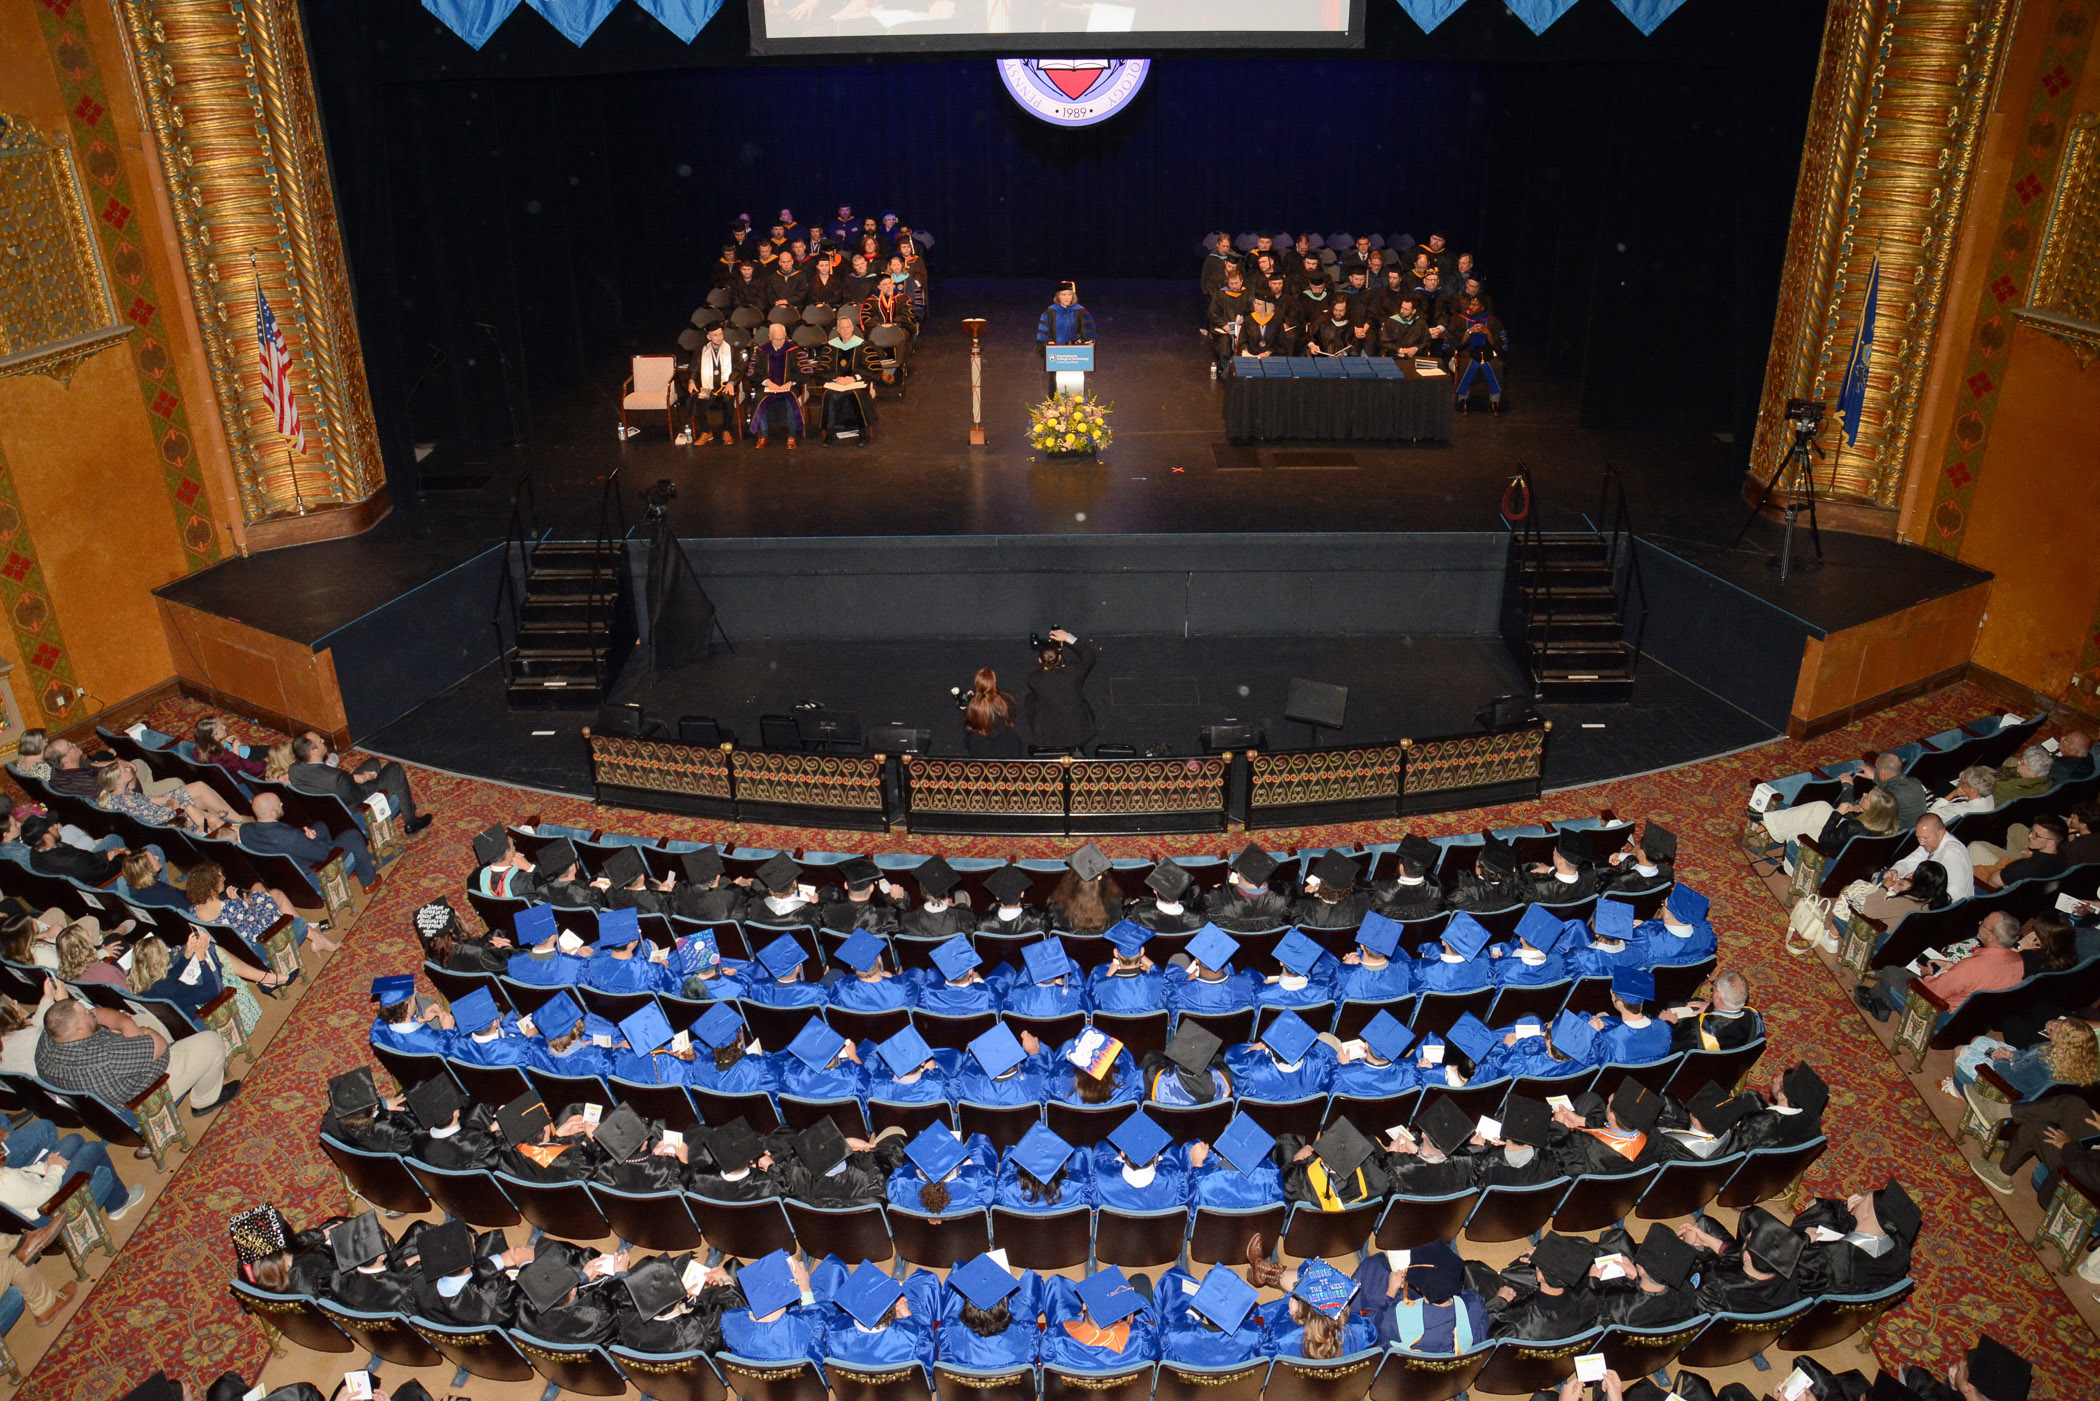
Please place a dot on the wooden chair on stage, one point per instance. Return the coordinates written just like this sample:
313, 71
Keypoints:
649, 386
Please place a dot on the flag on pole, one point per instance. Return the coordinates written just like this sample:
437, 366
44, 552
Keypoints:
277, 371
1852, 399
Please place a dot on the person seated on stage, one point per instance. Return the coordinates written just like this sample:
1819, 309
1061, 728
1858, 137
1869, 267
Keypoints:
1388, 286
781, 369
942, 912
1644, 864
1327, 328
1304, 270
1261, 267
1570, 876
1202, 979
845, 368
1403, 333
317, 771
1361, 340
1265, 330
1229, 306
712, 384
897, 270
1471, 290
1247, 905
889, 306
1480, 344
1441, 308
988, 720
827, 278
1216, 264
860, 279
1008, 887
1064, 322
1356, 286
1175, 906
1129, 981
747, 288
725, 266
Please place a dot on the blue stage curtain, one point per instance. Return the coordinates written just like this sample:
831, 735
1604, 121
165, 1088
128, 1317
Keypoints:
1646, 14
472, 20
1430, 13
1537, 14
685, 18
576, 20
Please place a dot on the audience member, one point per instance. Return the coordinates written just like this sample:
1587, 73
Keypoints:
104, 1053
317, 771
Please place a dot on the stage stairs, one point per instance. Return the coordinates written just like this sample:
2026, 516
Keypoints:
1573, 601
571, 609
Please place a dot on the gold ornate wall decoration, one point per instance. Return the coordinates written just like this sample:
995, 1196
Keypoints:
227, 88
2064, 299
1899, 104
56, 305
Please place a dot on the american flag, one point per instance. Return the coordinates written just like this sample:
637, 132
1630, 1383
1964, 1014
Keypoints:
277, 371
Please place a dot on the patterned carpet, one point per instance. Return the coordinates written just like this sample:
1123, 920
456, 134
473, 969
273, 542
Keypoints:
164, 1303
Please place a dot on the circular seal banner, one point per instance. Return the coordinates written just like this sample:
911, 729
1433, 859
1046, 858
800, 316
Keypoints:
1074, 91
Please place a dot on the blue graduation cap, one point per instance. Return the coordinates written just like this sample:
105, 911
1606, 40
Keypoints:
1379, 934
862, 951
1540, 929
1129, 937
936, 1152
397, 988
1687, 904
1387, 1037
619, 928
535, 925
646, 1029
1633, 986
1573, 1035
557, 1016
1041, 1152
1471, 1035
904, 1052
1245, 1144
1108, 1297
1466, 935
1139, 1139
768, 1284
998, 1050
816, 1045
1289, 1037
1046, 961
719, 1026
474, 1010
1614, 919
1299, 954
868, 1293
1224, 1298
1213, 948
782, 957
955, 958
984, 1281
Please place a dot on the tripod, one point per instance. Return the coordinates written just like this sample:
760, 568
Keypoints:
1803, 490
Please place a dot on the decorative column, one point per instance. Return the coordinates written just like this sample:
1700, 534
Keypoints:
975, 326
1899, 103
226, 87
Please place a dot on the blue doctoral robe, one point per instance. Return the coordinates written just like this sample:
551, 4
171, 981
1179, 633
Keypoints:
1433, 974
796, 1334
636, 974
1131, 992
1074, 1187
1046, 999
1387, 984
1232, 993
1061, 1305
1169, 1186
1016, 1347
1287, 1338
1185, 1337
1257, 1075
557, 970
1510, 970
884, 995
1220, 1184
1620, 1044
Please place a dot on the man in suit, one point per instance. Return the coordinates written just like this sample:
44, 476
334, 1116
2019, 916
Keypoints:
270, 834
313, 773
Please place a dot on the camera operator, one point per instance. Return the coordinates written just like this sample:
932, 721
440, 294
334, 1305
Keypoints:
988, 720
1058, 716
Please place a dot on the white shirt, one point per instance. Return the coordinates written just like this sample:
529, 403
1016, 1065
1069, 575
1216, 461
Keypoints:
1950, 853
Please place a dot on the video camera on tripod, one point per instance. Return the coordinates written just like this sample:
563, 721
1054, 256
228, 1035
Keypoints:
1805, 417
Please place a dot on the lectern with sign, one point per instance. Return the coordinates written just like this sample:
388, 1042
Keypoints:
1068, 366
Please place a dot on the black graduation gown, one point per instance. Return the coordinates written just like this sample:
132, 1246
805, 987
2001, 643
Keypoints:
1542, 1317
861, 1180
793, 288
923, 923
1624, 1302
1147, 913
575, 895
1496, 1170
1845, 1267
715, 904
1579, 1154
1312, 912
1328, 336
588, 1318
1626, 878
1227, 306
468, 1150
476, 956
846, 408
1728, 1032
1297, 1182
1396, 901
389, 1132
876, 914
1215, 267
1550, 889
1273, 336
648, 899
1726, 1288
750, 293
1471, 890
1027, 922
1056, 706
754, 1186
1415, 1176
387, 1291
1768, 1128
489, 1297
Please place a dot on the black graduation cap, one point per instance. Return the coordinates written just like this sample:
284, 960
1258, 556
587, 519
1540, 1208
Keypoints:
624, 867
1665, 1257
1895, 1209
935, 877
556, 857
548, 1280
1709, 1098
1563, 1260
1342, 1148
522, 1119
435, 1101
490, 845
1573, 843
779, 874
358, 1241
821, 1146
1659, 842
1168, 880
1418, 854
734, 1145
1193, 1047
158, 1387
859, 873
1090, 862
1999, 1372
622, 1132
1805, 1089
1446, 1124
1253, 865
1525, 1120
1636, 1106
654, 1286
353, 1092
446, 1248
1008, 884
702, 867
1777, 1247
1335, 871
1498, 857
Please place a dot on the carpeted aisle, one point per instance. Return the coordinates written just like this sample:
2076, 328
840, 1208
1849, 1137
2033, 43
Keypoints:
164, 1301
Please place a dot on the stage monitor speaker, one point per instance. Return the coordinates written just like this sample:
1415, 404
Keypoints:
627, 720
1315, 703
829, 727
701, 729
899, 739
1507, 713
1230, 734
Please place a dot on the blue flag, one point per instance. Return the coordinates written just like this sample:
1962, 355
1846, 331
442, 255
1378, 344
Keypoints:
1853, 397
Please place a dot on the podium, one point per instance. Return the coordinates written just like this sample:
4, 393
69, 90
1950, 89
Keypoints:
1068, 366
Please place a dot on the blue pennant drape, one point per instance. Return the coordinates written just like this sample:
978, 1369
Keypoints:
472, 20
685, 18
1646, 14
576, 20
1430, 13
1537, 14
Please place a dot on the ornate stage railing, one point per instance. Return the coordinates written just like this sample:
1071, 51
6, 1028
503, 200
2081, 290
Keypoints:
1072, 797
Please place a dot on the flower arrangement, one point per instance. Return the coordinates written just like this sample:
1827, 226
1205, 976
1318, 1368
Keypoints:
1069, 423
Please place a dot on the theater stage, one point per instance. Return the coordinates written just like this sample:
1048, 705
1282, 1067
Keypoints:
875, 578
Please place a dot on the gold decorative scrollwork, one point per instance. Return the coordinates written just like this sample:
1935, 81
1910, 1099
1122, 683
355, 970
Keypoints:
1469, 761
56, 304
1324, 775
808, 780
1107, 787
691, 769
2064, 300
1080, 1381
1032, 787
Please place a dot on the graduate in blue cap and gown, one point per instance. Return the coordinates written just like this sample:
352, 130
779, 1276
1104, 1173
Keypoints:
1455, 964
781, 1320
649, 1058
990, 1316
1212, 1324
1003, 1069
1314, 1319
621, 965
1474, 1039
1287, 1061
821, 1064
727, 1062
943, 1174
783, 986
903, 1069
1373, 971
550, 958
871, 1322
401, 1026
955, 987
1612, 945
1128, 982
1100, 1324
1308, 975
1521, 1050
1239, 1171
1140, 1167
486, 1037
1574, 1044
1034, 1175
1095, 1068
1189, 1071
873, 987
1529, 960
1376, 1063
1207, 983
1052, 986
1681, 931
1632, 1037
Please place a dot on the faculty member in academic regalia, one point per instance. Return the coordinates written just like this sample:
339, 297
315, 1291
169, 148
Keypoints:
778, 371
846, 373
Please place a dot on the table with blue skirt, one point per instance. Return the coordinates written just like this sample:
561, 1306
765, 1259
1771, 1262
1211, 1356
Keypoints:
1356, 397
